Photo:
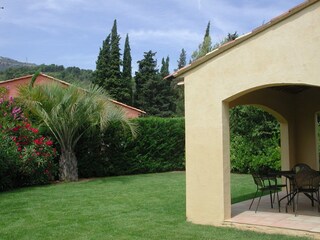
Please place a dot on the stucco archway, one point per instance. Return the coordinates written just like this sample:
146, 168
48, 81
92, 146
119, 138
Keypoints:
295, 107
260, 66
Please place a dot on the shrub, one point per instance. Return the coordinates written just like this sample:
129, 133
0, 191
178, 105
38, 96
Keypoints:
8, 162
255, 137
26, 157
159, 147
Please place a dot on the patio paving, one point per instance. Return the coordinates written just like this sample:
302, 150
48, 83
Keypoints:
307, 221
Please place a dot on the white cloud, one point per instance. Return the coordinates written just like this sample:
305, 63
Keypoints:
71, 31
171, 36
199, 4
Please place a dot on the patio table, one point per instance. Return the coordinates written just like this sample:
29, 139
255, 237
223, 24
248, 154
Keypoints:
289, 175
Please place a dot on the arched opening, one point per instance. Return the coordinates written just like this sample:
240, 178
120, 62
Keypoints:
254, 140
295, 109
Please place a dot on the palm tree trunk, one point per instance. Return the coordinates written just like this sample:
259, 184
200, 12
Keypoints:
68, 165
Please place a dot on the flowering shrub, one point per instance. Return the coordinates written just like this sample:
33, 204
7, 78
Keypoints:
8, 162
35, 154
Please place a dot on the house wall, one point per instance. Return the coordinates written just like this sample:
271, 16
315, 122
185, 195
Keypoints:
13, 85
285, 53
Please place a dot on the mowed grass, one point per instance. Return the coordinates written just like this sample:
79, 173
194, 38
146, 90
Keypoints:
150, 206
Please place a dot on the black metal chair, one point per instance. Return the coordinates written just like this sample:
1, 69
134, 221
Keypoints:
300, 166
265, 184
307, 181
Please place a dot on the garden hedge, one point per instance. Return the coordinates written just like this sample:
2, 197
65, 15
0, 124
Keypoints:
158, 147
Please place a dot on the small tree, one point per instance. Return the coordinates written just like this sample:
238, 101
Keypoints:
182, 59
69, 112
205, 47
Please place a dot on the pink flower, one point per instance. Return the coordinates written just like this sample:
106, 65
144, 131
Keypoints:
16, 129
49, 143
34, 130
38, 141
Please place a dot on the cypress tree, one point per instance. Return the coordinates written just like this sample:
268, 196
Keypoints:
164, 71
207, 34
179, 90
127, 73
103, 64
114, 83
203, 48
182, 59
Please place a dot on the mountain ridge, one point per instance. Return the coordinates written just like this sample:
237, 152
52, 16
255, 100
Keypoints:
6, 63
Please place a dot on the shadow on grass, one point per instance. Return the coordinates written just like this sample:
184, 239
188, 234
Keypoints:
242, 198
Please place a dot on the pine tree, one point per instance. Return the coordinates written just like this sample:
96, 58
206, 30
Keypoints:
203, 48
152, 92
127, 73
146, 75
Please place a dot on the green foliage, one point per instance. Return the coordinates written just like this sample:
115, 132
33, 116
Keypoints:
69, 74
158, 147
69, 113
34, 78
206, 45
146, 75
8, 162
103, 63
230, 37
164, 71
3, 91
255, 138
178, 91
153, 94
127, 74
203, 48
182, 59
108, 74
26, 157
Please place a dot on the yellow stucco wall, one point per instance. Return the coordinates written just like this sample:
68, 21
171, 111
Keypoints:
285, 53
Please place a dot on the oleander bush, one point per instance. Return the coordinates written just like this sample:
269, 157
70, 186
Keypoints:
26, 157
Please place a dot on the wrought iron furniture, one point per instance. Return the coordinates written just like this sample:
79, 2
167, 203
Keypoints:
264, 184
306, 181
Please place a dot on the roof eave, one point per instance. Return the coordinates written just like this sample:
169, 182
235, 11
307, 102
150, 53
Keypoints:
181, 72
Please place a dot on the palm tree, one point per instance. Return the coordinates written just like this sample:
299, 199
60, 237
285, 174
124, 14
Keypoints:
69, 112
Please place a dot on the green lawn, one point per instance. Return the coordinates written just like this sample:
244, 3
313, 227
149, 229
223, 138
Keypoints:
150, 206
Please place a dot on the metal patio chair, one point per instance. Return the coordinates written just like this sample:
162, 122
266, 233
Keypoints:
307, 181
265, 184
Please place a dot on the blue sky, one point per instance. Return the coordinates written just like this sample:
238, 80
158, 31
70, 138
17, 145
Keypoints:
70, 32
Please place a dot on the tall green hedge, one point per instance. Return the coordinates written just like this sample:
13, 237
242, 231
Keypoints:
159, 147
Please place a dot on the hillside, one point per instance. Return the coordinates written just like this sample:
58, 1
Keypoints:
10, 68
6, 63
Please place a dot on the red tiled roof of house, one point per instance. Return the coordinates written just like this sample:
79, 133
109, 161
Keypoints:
68, 84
